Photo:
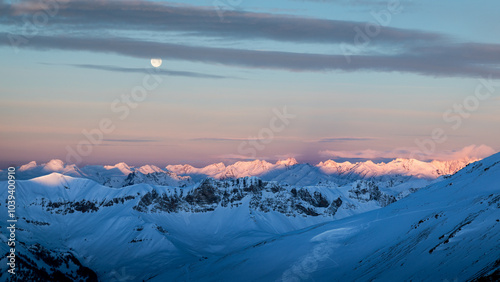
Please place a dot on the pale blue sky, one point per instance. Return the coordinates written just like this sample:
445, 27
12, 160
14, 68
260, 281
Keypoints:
262, 55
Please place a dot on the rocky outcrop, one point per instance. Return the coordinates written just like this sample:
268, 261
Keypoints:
260, 195
37, 263
365, 191
82, 206
156, 178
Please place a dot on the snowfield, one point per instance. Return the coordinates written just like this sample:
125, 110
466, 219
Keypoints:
257, 221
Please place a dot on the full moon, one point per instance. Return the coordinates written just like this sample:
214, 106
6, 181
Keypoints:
156, 62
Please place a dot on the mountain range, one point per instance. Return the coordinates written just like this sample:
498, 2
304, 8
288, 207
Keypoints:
284, 171
257, 221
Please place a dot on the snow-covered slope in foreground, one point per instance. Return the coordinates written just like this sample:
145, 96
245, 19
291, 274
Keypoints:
447, 231
148, 230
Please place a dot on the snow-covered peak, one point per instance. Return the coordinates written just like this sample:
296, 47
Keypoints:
402, 160
212, 169
449, 167
53, 179
28, 166
147, 169
371, 163
252, 168
286, 171
287, 162
123, 167
220, 165
252, 164
332, 163
54, 165
399, 166
328, 163
181, 169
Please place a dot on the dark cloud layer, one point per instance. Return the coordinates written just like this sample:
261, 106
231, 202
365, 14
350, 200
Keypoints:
460, 60
209, 21
419, 52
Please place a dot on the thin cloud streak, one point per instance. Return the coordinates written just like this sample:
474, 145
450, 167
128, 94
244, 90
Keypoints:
131, 140
224, 139
367, 3
145, 71
344, 139
236, 157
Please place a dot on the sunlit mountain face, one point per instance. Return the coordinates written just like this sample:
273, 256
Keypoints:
223, 140
288, 171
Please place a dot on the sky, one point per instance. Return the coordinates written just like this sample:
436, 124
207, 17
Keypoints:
243, 80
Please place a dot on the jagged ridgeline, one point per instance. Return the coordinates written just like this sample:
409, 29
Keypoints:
285, 171
262, 196
211, 194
